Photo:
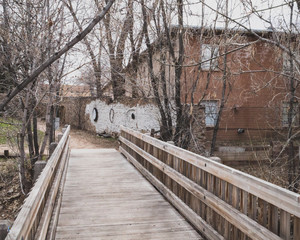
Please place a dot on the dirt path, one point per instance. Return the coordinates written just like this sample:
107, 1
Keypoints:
82, 139
86, 140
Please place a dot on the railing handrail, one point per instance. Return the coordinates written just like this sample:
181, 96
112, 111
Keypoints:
276, 195
251, 206
31, 208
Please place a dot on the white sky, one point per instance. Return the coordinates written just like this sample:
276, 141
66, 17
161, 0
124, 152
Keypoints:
277, 12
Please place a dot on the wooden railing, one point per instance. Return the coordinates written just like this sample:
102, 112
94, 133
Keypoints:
34, 218
221, 202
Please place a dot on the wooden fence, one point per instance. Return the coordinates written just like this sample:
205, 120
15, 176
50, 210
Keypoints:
34, 218
221, 202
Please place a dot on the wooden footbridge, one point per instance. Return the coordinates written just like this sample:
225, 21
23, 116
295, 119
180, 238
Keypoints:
151, 190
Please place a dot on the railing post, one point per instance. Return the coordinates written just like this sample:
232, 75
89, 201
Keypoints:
228, 202
52, 147
28, 221
59, 137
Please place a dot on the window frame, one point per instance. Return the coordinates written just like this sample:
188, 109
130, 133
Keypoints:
211, 59
284, 114
210, 117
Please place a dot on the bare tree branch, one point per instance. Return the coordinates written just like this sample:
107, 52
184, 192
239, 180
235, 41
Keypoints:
267, 40
95, 65
56, 56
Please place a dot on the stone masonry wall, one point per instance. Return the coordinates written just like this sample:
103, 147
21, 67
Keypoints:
72, 111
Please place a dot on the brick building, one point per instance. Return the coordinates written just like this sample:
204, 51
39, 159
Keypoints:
257, 87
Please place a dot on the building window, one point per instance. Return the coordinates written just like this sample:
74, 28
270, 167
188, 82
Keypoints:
209, 54
211, 112
295, 114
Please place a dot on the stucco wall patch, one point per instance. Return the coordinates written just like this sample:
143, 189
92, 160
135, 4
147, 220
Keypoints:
112, 116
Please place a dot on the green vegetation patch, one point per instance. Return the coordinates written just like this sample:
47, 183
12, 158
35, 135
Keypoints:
110, 139
8, 130
41, 135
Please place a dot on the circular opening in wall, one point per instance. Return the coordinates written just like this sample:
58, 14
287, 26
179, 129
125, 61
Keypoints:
132, 116
95, 114
111, 115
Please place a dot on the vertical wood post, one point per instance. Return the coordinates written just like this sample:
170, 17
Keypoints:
249, 203
52, 147
59, 137
6, 153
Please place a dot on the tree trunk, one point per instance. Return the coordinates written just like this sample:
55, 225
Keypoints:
117, 78
167, 131
24, 184
224, 87
154, 81
95, 65
35, 137
178, 71
116, 53
29, 137
48, 132
51, 126
22, 170
292, 160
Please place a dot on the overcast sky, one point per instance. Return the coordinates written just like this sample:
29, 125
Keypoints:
275, 11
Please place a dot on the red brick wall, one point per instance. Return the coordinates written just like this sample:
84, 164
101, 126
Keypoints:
256, 95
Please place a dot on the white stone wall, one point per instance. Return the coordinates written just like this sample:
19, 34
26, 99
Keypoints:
112, 116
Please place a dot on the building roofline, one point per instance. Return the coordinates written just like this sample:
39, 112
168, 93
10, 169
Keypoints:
261, 32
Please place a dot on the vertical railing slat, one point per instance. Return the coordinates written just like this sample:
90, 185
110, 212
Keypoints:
296, 227
241, 192
273, 219
285, 225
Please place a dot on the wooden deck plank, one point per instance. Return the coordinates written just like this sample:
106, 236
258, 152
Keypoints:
132, 231
153, 236
106, 198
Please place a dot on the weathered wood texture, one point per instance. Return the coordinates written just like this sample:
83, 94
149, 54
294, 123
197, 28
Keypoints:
37, 207
222, 199
106, 198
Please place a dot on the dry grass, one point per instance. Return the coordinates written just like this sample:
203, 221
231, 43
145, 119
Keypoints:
11, 198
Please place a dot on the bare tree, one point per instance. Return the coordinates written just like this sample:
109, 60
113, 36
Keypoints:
285, 39
116, 47
37, 38
282, 37
96, 61
55, 56
224, 85
166, 125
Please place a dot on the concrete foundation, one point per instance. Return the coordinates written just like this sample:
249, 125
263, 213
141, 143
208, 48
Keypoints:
38, 168
232, 149
5, 225
52, 147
